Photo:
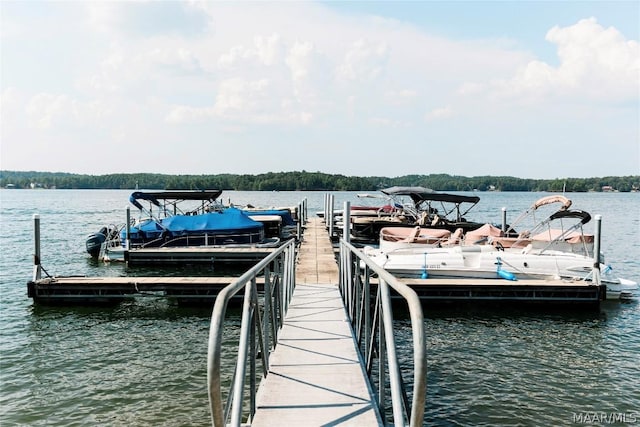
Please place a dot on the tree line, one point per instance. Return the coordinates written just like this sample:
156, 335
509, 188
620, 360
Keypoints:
310, 181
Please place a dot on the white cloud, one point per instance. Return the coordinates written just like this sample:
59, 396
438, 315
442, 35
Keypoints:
243, 102
401, 97
269, 49
103, 16
184, 114
385, 122
299, 60
595, 63
266, 51
47, 110
236, 54
440, 113
238, 96
179, 56
365, 60
44, 108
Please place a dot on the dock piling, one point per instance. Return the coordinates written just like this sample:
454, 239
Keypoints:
346, 221
127, 239
37, 269
504, 219
330, 218
596, 250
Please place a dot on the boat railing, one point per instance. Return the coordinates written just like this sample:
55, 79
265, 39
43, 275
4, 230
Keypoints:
262, 318
371, 314
112, 239
207, 239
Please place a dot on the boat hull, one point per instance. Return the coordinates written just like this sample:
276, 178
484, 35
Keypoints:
486, 262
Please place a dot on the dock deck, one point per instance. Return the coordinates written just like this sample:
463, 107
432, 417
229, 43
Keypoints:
316, 376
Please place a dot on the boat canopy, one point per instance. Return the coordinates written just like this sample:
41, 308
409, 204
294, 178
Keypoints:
172, 198
422, 194
531, 211
566, 203
583, 216
155, 196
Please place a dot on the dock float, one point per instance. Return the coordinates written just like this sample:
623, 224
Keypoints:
196, 255
316, 375
112, 290
529, 291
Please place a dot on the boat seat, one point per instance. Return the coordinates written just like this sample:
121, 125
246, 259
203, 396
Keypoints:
455, 238
413, 235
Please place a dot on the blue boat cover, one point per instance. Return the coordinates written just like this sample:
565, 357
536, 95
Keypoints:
227, 221
287, 219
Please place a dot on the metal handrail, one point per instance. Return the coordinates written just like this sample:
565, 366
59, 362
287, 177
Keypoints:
355, 287
261, 322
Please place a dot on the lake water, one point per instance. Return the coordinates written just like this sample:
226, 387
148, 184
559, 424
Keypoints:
143, 363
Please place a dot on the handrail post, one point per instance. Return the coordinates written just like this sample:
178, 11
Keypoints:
367, 308
252, 349
238, 386
390, 346
267, 318
381, 357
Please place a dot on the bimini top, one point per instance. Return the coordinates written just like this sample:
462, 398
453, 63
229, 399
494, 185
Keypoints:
176, 196
583, 216
421, 194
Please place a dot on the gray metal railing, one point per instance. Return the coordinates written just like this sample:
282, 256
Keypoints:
261, 321
375, 333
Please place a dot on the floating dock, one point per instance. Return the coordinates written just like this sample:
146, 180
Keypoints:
320, 266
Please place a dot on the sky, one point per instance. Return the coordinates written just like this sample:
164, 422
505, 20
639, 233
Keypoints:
541, 89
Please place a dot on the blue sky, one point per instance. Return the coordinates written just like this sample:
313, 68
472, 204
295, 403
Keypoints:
526, 89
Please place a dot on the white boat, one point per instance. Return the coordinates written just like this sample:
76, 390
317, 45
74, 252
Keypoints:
542, 253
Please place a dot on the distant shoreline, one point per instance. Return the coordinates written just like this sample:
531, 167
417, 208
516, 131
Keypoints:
311, 181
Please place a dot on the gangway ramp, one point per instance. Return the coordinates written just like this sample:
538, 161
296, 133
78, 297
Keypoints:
312, 370
316, 376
